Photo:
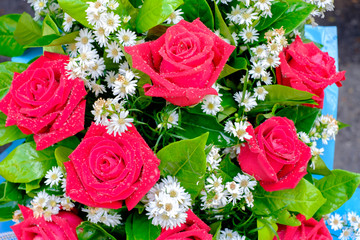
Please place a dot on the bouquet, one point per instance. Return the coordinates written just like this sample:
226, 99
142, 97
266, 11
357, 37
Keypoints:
169, 119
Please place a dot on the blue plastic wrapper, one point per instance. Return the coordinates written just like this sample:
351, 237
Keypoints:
327, 36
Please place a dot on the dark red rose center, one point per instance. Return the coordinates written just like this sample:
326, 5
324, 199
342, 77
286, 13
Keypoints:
107, 161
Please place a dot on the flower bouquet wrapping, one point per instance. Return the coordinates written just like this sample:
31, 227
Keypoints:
181, 119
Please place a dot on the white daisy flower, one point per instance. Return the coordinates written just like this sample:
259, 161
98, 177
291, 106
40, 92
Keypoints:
263, 4
114, 52
257, 70
41, 199
304, 137
125, 85
67, 204
97, 70
111, 21
40, 5
84, 39
175, 17
214, 183
260, 51
260, 93
97, 6
211, 104
126, 37
53, 176
238, 129
71, 49
97, 88
249, 34
228, 234
126, 19
101, 35
336, 222
113, 5
345, 234
247, 16
266, 78
353, 218
172, 120
68, 22
271, 61
94, 18
110, 78
249, 199
246, 183
235, 14
119, 123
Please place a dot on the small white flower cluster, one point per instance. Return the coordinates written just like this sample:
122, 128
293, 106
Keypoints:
325, 128
349, 225
228, 234
211, 104
17, 216
86, 63
246, 14
47, 205
322, 6
238, 129
267, 55
169, 119
315, 151
125, 84
167, 203
44, 7
113, 109
102, 215
217, 195
213, 159
105, 22
175, 17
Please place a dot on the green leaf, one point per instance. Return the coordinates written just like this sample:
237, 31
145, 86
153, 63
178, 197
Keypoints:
139, 227
342, 125
305, 198
32, 185
7, 70
24, 164
215, 230
186, 161
154, 12
297, 13
228, 170
277, 10
221, 25
66, 39
8, 45
76, 9
70, 142
268, 229
303, 117
27, 30
7, 208
195, 124
238, 64
229, 106
282, 95
127, 9
62, 155
49, 26
337, 188
92, 231
194, 9
320, 166
9, 192
8, 134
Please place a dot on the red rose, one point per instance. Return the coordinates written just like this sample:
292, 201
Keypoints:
62, 227
43, 101
183, 64
194, 228
105, 170
305, 67
308, 230
274, 155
